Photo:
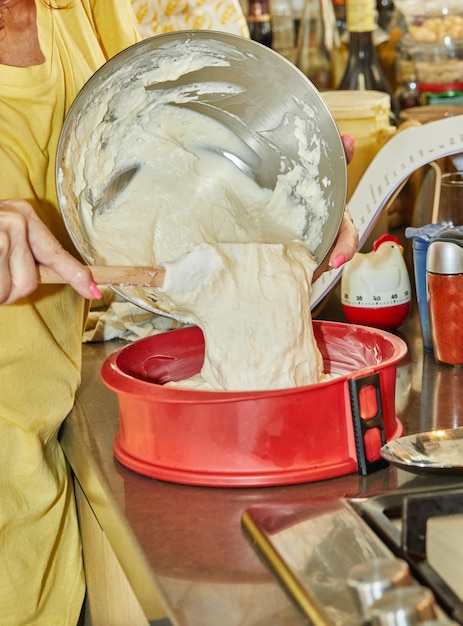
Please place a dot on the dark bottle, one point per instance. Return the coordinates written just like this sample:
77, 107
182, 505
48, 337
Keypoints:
363, 70
260, 22
407, 94
385, 10
340, 16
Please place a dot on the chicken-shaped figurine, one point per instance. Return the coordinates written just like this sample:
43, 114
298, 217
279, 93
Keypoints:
375, 286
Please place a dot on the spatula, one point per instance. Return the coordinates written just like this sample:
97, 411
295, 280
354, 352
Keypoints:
107, 275
115, 186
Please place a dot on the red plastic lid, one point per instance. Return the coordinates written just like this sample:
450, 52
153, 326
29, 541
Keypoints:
440, 88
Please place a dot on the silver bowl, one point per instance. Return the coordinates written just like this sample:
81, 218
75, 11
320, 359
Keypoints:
258, 95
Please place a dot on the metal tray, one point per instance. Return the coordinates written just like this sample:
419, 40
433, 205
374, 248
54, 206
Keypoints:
433, 452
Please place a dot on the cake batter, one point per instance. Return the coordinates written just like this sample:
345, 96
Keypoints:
238, 254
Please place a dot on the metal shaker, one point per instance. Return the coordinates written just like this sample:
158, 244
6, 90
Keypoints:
444, 273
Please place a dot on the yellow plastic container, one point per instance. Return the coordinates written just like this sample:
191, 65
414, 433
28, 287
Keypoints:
366, 115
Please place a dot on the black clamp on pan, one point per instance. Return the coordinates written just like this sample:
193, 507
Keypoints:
368, 422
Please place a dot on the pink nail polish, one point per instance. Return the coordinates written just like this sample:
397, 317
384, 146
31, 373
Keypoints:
338, 261
348, 138
96, 293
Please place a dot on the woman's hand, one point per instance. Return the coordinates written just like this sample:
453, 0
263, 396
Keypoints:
26, 241
347, 240
349, 147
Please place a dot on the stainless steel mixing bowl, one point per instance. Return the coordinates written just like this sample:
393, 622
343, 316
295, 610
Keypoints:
256, 93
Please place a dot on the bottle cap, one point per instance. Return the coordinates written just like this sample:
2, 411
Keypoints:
428, 232
445, 254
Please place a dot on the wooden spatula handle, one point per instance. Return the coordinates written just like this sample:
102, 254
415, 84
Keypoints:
117, 276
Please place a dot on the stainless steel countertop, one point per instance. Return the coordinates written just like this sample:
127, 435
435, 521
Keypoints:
186, 544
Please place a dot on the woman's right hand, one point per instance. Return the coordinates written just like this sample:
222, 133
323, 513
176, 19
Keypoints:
25, 241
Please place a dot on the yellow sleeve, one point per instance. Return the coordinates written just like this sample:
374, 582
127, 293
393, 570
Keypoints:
115, 24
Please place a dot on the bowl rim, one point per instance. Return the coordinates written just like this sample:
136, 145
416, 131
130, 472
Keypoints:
123, 383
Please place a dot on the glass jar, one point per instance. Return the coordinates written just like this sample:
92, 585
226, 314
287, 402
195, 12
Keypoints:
434, 43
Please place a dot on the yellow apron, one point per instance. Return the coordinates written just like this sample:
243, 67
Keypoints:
41, 577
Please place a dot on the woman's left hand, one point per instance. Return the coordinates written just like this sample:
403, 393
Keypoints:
347, 240
25, 241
